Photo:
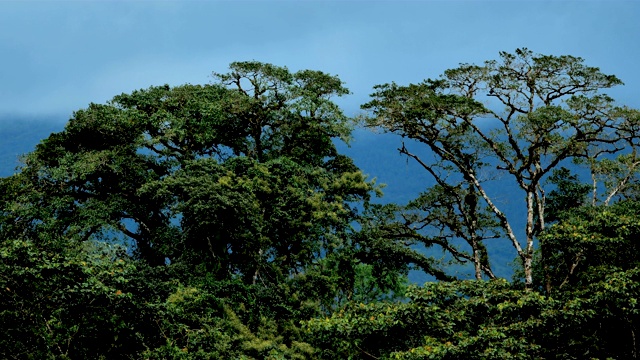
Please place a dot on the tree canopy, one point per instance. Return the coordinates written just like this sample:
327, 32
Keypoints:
516, 119
220, 221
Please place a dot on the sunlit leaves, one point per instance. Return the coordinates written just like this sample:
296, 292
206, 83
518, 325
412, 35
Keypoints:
520, 117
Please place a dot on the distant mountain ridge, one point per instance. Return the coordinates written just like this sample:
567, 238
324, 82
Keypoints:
378, 156
375, 154
19, 134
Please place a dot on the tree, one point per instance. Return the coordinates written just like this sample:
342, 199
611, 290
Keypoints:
241, 176
62, 299
443, 320
488, 320
517, 118
232, 191
592, 262
593, 311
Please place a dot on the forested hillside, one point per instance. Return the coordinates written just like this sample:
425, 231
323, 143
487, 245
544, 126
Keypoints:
227, 221
20, 135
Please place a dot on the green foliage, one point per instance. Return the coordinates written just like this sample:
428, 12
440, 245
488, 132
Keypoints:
487, 320
241, 176
516, 118
198, 324
220, 222
592, 241
467, 319
73, 303
198, 221
569, 194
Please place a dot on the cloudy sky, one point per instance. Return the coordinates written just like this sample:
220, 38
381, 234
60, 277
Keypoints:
58, 56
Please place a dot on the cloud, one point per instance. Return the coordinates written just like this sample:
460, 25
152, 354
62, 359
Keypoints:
59, 56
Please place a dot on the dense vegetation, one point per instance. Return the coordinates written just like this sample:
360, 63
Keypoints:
220, 222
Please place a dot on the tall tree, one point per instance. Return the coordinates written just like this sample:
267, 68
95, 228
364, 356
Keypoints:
241, 176
231, 194
517, 118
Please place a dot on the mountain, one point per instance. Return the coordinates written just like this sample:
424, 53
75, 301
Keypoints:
20, 134
376, 154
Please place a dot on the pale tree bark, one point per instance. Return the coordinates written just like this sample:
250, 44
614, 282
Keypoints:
551, 112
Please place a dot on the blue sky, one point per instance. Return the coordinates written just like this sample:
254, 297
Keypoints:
58, 56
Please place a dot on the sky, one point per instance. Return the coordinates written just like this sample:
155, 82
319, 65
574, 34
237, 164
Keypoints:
59, 56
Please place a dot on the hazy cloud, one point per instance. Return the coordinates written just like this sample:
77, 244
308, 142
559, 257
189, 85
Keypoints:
59, 56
